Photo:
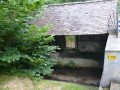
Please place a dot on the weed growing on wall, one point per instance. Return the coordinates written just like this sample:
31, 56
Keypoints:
71, 64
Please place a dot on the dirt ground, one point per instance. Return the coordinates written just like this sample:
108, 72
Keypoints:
11, 82
86, 76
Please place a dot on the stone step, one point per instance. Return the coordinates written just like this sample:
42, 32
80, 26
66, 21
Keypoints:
115, 86
100, 88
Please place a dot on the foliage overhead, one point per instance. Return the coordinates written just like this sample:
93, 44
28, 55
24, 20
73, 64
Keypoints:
24, 47
119, 7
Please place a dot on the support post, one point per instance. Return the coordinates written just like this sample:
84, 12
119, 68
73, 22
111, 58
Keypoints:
111, 70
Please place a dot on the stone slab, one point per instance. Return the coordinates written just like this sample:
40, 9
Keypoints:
80, 61
115, 86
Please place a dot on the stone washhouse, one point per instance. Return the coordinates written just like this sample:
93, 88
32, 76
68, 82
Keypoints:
95, 27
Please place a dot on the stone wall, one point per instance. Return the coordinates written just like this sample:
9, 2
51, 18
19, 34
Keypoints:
80, 18
91, 43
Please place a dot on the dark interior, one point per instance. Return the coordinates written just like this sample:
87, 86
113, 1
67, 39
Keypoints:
75, 47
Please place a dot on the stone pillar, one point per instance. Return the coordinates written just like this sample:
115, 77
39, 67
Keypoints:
111, 70
60, 41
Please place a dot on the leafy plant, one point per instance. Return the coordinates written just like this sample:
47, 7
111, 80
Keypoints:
70, 38
71, 64
23, 46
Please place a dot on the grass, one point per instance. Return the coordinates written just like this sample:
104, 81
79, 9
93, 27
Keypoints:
63, 1
73, 87
8, 82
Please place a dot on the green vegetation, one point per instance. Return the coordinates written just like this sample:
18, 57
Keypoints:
71, 64
24, 48
20, 83
73, 87
119, 7
70, 41
63, 1
70, 38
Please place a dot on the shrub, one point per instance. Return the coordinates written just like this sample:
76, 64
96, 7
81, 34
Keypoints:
24, 47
